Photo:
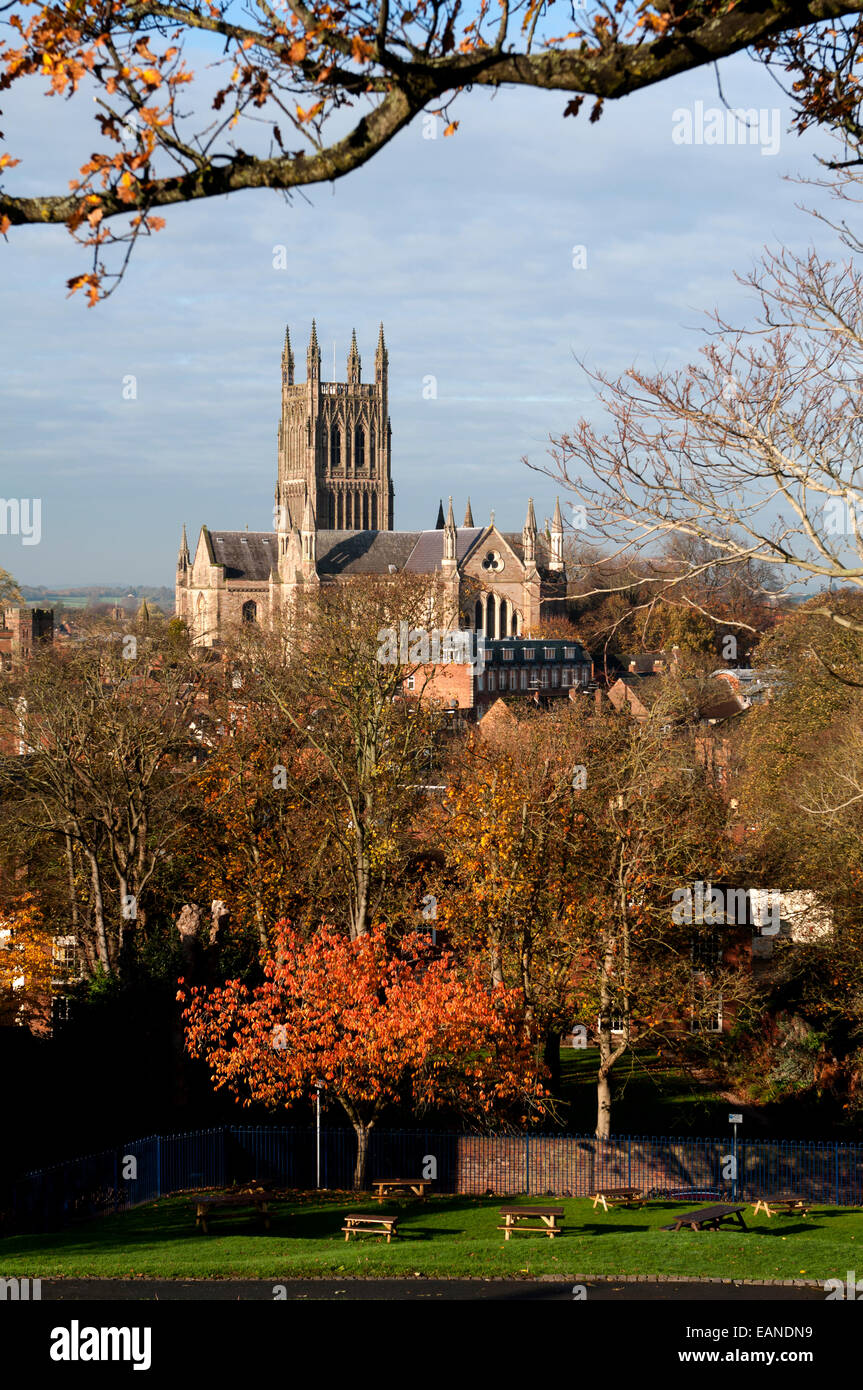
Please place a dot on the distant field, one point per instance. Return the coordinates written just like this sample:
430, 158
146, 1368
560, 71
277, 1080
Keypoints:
443, 1236
74, 601
82, 600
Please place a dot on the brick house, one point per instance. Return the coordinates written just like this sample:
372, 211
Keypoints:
536, 669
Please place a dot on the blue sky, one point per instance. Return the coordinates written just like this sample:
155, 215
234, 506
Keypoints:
463, 247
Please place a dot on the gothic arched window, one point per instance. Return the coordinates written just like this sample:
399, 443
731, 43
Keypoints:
372, 447
359, 447
335, 446
250, 611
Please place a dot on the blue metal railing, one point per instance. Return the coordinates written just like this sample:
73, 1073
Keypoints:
503, 1165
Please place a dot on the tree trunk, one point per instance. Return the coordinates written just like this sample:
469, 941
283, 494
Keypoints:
497, 980
259, 900
603, 1103
99, 915
362, 1132
70, 876
362, 879
551, 1057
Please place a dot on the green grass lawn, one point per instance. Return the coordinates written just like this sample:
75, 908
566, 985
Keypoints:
443, 1236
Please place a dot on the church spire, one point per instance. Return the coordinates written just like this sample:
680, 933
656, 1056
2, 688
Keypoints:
287, 360
449, 535
556, 562
528, 535
183, 557
313, 356
440, 523
468, 515
354, 363
381, 356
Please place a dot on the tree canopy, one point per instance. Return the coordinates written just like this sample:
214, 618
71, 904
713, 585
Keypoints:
304, 93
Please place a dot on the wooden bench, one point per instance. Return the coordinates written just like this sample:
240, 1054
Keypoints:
547, 1215
206, 1205
707, 1219
618, 1196
385, 1186
371, 1223
785, 1203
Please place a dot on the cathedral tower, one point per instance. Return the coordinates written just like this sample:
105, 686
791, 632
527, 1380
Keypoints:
334, 445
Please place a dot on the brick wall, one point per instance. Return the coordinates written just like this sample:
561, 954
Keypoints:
567, 1166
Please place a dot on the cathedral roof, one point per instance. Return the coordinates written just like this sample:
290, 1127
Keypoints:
515, 540
363, 552
245, 554
427, 554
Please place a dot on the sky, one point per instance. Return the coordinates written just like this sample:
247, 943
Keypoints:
465, 248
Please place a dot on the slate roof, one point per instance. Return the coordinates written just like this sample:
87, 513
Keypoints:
245, 554
496, 646
427, 554
364, 552
515, 540
251, 555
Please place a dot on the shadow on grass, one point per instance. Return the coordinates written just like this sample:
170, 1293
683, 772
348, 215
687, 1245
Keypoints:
797, 1229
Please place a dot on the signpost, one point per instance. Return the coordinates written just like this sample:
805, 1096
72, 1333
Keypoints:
735, 1119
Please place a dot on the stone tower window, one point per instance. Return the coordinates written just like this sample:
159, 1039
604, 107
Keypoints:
335, 446
250, 611
359, 447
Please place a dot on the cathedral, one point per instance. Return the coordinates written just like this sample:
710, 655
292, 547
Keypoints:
333, 521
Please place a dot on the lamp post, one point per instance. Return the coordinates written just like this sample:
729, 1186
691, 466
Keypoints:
318, 1088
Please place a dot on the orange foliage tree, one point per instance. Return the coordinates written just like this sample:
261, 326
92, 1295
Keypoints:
26, 965
374, 1023
243, 841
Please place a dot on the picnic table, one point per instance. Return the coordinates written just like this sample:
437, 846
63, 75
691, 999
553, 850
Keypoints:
370, 1223
385, 1186
618, 1196
707, 1219
547, 1215
782, 1202
207, 1203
